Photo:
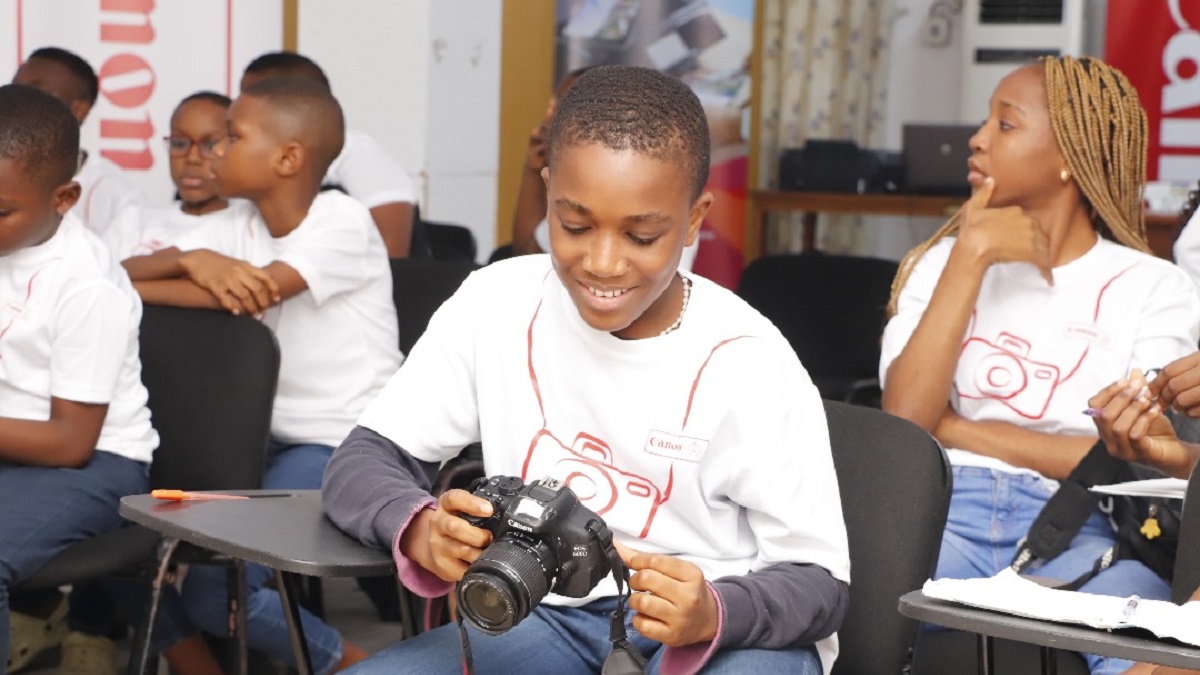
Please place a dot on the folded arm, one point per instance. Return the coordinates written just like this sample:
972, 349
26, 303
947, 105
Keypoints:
1052, 455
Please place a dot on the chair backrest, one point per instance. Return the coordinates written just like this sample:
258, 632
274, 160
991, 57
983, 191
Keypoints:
448, 241
895, 485
831, 308
211, 377
419, 287
1187, 560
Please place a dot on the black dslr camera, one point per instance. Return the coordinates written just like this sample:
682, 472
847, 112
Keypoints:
543, 540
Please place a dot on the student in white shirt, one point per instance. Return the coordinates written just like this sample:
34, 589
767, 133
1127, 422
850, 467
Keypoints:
313, 267
670, 407
75, 433
1037, 294
105, 190
363, 169
197, 125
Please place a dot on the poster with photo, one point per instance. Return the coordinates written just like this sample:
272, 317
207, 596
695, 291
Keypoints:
707, 44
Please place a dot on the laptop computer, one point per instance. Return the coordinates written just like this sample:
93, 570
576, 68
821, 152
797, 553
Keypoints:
935, 158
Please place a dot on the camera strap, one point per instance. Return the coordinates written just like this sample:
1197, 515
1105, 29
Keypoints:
624, 659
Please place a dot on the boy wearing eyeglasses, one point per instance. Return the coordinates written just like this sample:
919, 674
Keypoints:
197, 126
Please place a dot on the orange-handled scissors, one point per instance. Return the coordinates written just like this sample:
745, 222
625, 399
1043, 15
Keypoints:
180, 495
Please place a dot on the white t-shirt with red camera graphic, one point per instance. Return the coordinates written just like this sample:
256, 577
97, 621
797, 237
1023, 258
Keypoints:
339, 339
69, 322
1033, 354
142, 230
709, 442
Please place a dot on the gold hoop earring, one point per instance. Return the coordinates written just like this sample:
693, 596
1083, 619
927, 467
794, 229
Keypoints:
1064, 175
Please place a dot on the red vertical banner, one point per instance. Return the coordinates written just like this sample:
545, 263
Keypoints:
1157, 44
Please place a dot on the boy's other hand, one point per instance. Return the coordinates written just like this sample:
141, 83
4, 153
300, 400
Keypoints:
1004, 234
239, 286
1134, 427
440, 541
673, 604
1178, 385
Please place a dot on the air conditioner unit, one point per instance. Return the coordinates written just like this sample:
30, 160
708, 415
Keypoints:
1000, 35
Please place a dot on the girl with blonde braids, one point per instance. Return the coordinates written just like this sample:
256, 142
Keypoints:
1035, 296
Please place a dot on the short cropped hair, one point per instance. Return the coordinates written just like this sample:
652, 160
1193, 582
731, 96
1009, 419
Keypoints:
89, 84
38, 131
289, 64
639, 109
211, 96
316, 114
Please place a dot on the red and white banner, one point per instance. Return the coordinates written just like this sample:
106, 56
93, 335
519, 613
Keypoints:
1157, 44
149, 55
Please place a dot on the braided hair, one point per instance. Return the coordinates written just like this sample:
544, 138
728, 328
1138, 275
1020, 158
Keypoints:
1100, 128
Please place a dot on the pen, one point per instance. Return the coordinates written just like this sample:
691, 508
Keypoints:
1130, 607
1150, 375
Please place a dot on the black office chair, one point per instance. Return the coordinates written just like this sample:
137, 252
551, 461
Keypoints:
1187, 560
211, 379
895, 486
419, 287
831, 309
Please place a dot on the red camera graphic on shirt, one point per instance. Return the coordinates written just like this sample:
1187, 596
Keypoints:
622, 498
1004, 371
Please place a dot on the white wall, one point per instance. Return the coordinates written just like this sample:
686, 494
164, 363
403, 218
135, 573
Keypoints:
423, 78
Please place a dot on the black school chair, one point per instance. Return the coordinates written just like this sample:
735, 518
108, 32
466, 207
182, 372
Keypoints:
1187, 559
419, 287
211, 378
895, 486
831, 310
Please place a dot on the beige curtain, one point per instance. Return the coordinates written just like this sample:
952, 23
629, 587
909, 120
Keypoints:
824, 75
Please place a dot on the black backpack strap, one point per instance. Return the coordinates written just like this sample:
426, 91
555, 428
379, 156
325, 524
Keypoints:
1068, 509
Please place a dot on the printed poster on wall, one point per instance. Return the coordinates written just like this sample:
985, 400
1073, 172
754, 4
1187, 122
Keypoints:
149, 55
707, 44
1157, 44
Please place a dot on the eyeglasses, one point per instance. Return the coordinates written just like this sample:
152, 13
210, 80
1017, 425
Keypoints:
181, 146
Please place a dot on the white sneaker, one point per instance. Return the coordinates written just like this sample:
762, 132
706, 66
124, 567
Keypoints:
84, 654
29, 636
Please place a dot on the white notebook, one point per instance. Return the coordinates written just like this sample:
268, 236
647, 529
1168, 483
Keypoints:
1010, 593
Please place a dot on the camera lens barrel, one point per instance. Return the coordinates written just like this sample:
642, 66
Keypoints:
505, 584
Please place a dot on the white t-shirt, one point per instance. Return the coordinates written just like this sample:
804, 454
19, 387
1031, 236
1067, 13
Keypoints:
69, 321
1033, 354
678, 441
541, 234
369, 174
142, 230
105, 191
338, 340
1187, 248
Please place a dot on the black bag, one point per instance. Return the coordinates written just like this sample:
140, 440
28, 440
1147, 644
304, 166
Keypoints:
1147, 527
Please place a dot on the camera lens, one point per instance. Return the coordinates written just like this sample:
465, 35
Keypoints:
505, 584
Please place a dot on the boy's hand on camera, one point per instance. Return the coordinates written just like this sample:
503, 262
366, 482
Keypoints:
1178, 385
239, 286
1004, 234
1134, 428
672, 601
440, 541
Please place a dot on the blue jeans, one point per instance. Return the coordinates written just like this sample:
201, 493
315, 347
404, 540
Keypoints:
296, 467
553, 640
44, 510
990, 511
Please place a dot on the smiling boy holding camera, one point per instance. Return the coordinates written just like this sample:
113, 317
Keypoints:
670, 407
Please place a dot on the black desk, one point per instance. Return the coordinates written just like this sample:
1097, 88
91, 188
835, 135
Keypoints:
289, 534
1047, 634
